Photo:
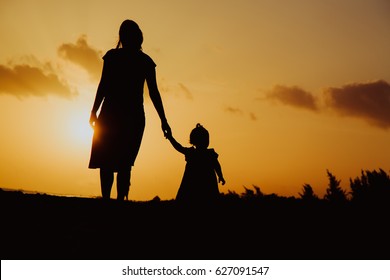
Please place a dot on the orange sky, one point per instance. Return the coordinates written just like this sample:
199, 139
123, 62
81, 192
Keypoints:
287, 90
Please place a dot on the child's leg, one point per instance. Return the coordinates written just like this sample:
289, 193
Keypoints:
123, 183
106, 181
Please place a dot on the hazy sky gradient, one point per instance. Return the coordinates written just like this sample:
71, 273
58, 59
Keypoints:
287, 90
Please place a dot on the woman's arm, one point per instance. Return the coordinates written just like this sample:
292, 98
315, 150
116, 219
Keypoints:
155, 96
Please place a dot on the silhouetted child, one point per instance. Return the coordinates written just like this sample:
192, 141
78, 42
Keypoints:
199, 182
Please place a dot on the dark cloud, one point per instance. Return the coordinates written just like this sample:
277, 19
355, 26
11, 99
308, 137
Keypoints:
293, 96
82, 54
369, 101
26, 80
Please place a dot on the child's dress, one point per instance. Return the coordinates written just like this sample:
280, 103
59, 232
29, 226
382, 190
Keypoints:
199, 182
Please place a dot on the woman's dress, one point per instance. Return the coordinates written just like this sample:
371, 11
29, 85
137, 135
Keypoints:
121, 122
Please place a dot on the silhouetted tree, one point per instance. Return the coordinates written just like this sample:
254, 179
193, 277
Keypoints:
308, 193
334, 193
359, 188
379, 182
372, 186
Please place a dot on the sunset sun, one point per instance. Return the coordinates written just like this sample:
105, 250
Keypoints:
79, 129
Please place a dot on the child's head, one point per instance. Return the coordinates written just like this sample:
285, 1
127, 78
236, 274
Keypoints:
199, 137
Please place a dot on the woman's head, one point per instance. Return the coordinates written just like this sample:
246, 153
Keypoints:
199, 137
130, 35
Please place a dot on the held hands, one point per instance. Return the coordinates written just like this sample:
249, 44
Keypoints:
166, 129
168, 135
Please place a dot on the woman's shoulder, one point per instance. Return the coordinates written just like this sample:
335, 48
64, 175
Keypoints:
147, 58
122, 54
125, 52
110, 53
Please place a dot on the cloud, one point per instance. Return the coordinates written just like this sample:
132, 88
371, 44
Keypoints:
32, 78
253, 116
177, 90
293, 96
25, 80
238, 111
369, 101
82, 54
186, 91
233, 110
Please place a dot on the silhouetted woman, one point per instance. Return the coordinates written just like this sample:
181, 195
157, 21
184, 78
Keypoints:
119, 128
199, 182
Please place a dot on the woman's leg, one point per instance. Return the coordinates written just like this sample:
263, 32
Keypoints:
106, 181
123, 183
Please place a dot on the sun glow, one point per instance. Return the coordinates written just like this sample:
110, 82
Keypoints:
79, 129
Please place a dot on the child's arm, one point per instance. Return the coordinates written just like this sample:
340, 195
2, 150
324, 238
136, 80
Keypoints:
174, 143
218, 170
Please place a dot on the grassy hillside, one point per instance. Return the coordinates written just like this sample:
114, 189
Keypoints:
247, 226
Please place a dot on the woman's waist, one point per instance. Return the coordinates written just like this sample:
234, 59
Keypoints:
123, 108
122, 114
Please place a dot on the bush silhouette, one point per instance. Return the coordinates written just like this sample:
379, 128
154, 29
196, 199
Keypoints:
308, 194
371, 187
252, 194
334, 193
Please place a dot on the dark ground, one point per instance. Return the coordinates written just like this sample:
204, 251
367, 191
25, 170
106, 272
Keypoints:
36, 226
